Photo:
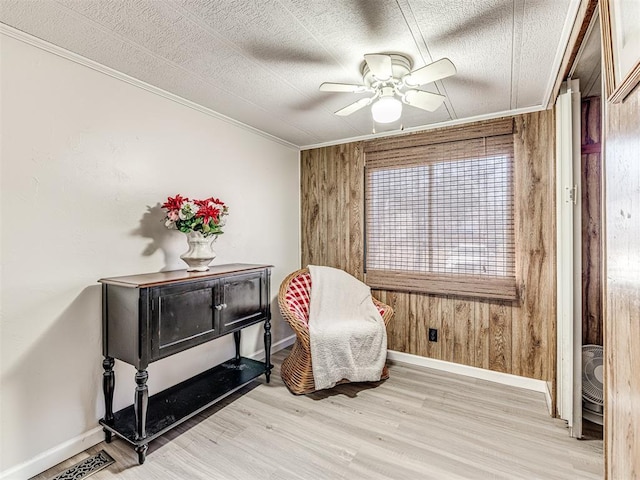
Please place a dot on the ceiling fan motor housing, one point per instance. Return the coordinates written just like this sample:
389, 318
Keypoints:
400, 66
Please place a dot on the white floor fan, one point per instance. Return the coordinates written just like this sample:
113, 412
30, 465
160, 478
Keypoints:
592, 383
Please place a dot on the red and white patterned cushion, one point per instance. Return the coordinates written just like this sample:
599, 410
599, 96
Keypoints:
298, 295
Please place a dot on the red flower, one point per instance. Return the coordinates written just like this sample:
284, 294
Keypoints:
205, 216
207, 201
174, 203
208, 211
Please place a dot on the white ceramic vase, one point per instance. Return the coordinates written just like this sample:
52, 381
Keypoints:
200, 253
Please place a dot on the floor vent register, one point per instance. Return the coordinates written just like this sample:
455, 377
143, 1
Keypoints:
86, 467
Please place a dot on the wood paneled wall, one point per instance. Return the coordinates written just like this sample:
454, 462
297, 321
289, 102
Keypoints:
591, 222
513, 337
622, 307
332, 207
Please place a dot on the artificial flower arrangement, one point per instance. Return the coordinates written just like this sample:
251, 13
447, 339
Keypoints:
204, 216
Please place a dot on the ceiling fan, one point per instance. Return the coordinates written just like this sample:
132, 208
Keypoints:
390, 79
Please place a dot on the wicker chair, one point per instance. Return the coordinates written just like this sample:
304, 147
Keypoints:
293, 300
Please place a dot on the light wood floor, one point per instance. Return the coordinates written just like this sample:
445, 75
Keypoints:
419, 424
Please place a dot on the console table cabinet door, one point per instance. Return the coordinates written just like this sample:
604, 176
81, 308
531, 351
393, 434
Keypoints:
183, 316
244, 300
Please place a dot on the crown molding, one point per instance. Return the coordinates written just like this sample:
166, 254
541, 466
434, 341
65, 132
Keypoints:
98, 67
432, 126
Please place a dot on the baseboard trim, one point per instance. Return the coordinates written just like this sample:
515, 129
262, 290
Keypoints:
547, 397
76, 445
54, 456
475, 372
276, 347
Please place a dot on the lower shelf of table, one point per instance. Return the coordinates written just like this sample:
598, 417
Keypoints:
184, 400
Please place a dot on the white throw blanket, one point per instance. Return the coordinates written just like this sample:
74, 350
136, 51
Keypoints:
347, 335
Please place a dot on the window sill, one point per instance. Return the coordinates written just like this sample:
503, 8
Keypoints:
495, 288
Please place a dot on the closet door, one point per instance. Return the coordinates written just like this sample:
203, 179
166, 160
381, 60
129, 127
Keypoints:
569, 260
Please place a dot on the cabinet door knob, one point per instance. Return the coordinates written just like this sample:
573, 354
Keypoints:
224, 305
219, 307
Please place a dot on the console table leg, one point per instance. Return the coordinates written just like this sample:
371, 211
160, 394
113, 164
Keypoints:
236, 339
108, 387
140, 404
267, 348
142, 453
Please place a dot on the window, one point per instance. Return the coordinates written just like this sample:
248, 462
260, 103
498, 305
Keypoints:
440, 216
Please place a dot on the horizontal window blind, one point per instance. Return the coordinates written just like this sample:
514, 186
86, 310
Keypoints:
440, 218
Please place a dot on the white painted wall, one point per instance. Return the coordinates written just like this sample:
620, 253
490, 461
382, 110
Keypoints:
86, 159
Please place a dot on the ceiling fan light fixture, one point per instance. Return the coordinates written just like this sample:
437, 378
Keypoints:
390, 80
386, 110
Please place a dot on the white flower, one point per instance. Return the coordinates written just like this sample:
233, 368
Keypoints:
170, 225
188, 210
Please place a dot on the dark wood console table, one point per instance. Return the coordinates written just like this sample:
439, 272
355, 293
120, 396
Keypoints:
152, 316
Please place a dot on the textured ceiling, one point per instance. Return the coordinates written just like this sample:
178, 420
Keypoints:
261, 62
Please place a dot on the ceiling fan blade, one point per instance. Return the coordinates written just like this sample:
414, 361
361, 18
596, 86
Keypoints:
437, 70
354, 107
379, 65
342, 87
424, 100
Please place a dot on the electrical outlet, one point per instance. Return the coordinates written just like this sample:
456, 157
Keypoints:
433, 334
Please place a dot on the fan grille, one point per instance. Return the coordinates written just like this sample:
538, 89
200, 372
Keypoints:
592, 374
